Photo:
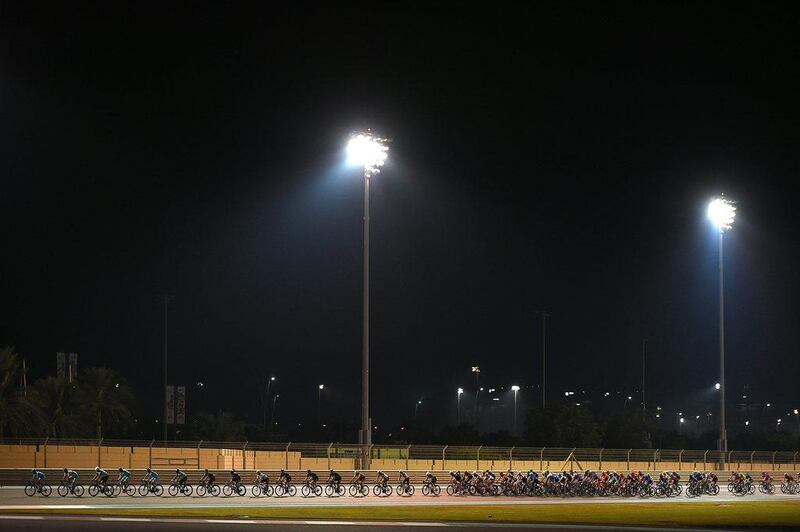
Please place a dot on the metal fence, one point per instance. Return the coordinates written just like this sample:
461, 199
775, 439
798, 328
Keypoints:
435, 457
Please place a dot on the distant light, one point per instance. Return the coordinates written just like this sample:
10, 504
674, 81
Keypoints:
747, 423
367, 151
460, 391
419, 402
495, 398
697, 417
321, 386
402, 428
682, 420
795, 411
515, 388
658, 408
324, 425
606, 394
200, 384
709, 414
577, 404
481, 388
768, 404
658, 415
272, 379
721, 212
491, 390
779, 421
629, 398
476, 369
116, 385
717, 386
680, 413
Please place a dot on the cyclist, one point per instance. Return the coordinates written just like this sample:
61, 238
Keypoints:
262, 479
311, 478
124, 477
335, 479
236, 479
208, 478
37, 478
382, 478
285, 479
405, 480
70, 478
101, 476
358, 478
430, 479
150, 477
180, 478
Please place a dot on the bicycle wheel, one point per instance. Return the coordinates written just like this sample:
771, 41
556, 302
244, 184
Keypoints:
46, 490
713, 489
143, 489
172, 490
426, 490
227, 490
329, 491
449, 489
201, 490
94, 489
63, 490
30, 490
77, 490
305, 490
214, 490
187, 490
256, 490
158, 490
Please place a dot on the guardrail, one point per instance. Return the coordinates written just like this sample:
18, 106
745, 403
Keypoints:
48, 452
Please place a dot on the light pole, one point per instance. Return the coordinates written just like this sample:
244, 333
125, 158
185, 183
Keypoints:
458, 407
319, 403
416, 407
266, 400
272, 416
477, 371
721, 212
515, 389
368, 152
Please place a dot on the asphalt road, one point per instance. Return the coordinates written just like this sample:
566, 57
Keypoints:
93, 524
14, 498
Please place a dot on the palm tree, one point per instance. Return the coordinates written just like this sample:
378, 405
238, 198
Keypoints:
52, 396
104, 398
222, 426
17, 414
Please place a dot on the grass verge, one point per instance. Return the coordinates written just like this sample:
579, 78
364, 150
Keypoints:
740, 514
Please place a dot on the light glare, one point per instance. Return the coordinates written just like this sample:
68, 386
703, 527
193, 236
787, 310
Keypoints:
721, 212
367, 151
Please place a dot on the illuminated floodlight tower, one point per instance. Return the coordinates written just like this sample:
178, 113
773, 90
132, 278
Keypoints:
721, 211
369, 152
515, 389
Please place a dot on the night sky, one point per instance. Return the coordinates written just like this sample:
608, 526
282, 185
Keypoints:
555, 156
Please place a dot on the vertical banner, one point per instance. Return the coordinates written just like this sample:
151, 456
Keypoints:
170, 405
61, 362
73, 366
180, 405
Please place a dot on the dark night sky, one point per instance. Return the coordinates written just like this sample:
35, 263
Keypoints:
553, 156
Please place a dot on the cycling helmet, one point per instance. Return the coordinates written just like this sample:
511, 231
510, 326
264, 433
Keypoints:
258, 472
148, 469
33, 471
65, 470
206, 470
308, 472
97, 469
120, 470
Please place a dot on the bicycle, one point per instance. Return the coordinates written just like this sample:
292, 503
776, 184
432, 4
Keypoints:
148, 487
232, 487
767, 488
405, 490
382, 490
356, 489
207, 488
32, 489
431, 489
263, 488
334, 489
176, 487
311, 488
96, 488
282, 489
66, 488
123, 487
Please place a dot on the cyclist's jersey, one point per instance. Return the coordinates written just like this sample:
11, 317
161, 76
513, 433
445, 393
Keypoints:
312, 477
125, 475
71, 475
336, 477
359, 477
404, 477
235, 477
102, 473
38, 475
180, 476
152, 475
263, 478
431, 479
490, 475
286, 477
209, 477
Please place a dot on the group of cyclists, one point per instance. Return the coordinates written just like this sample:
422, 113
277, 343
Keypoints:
508, 483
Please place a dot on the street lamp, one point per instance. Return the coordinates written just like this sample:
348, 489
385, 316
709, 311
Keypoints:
368, 152
477, 371
515, 389
721, 212
416, 407
266, 399
458, 407
319, 402
274, 403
